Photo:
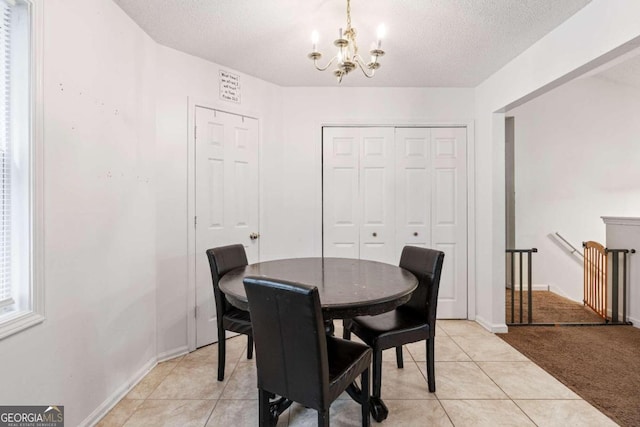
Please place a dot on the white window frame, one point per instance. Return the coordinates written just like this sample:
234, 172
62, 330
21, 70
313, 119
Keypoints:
32, 288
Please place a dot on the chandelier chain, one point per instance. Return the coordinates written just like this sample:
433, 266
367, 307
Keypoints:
350, 32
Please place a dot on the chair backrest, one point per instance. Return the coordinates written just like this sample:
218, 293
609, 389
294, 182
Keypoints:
290, 340
221, 261
426, 265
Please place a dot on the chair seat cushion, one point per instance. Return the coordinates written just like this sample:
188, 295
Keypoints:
237, 320
347, 359
390, 329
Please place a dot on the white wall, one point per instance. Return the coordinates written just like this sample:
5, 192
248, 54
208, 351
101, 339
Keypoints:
99, 215
577, 157
181, 77
298, 227
599, 32
291, 162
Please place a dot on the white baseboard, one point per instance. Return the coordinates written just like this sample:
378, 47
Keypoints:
167, 355
634, 320
534, 287
496, 328
123, 390
116, 396
540, 287
558, 291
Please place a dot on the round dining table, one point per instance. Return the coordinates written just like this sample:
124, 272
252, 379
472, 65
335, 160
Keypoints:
347, 288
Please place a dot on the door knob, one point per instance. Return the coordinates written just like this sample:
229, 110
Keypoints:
254, 236
375, 234
415, 233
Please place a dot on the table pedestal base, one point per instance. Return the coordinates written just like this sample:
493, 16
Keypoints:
379, 410
377, 407
276, 408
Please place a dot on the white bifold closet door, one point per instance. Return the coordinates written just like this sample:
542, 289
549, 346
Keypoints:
385, 187
359, 175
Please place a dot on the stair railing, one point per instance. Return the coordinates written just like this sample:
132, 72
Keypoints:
615, 282
574, 250
512, 254
597, 294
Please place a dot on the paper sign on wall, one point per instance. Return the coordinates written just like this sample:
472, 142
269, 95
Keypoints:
229, 86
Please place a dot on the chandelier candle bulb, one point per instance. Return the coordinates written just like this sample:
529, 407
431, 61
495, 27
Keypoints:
314, 40
381, 33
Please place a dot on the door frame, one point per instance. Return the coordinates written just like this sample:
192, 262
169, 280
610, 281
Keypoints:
471, 185
192, 104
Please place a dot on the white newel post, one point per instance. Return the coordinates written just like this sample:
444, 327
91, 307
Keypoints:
624, 233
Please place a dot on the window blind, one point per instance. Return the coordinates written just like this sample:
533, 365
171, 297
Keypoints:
5, 153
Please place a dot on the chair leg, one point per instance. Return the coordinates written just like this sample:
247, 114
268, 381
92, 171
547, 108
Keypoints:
323, 418
364, 382
346, 331
431, 370
249, 347
399, 360
222, 347
264, 416
377, 373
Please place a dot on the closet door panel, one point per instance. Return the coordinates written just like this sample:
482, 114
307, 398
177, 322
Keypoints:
413, 188
377, 170
449, 217
341, 210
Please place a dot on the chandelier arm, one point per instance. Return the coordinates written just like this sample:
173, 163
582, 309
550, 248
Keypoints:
363, 67
315, 63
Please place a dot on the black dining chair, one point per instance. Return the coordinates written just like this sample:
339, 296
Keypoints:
414, 321
295, 357
229, 318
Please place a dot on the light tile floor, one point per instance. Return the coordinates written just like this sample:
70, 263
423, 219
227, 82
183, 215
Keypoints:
480, 380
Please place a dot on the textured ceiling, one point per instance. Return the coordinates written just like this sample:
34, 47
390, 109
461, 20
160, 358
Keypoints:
432, 43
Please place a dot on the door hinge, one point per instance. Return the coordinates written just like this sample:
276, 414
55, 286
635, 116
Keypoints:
195, 132
195, 221
195, 312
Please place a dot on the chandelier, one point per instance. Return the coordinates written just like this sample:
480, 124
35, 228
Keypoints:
347, 58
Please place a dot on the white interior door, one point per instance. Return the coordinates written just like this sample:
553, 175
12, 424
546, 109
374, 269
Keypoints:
341, 177
431, 203
227, 195
413, 188
358, 173
377, 193
384, 188
449, 217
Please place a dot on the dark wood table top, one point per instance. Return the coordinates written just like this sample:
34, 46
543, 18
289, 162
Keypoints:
347, 287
